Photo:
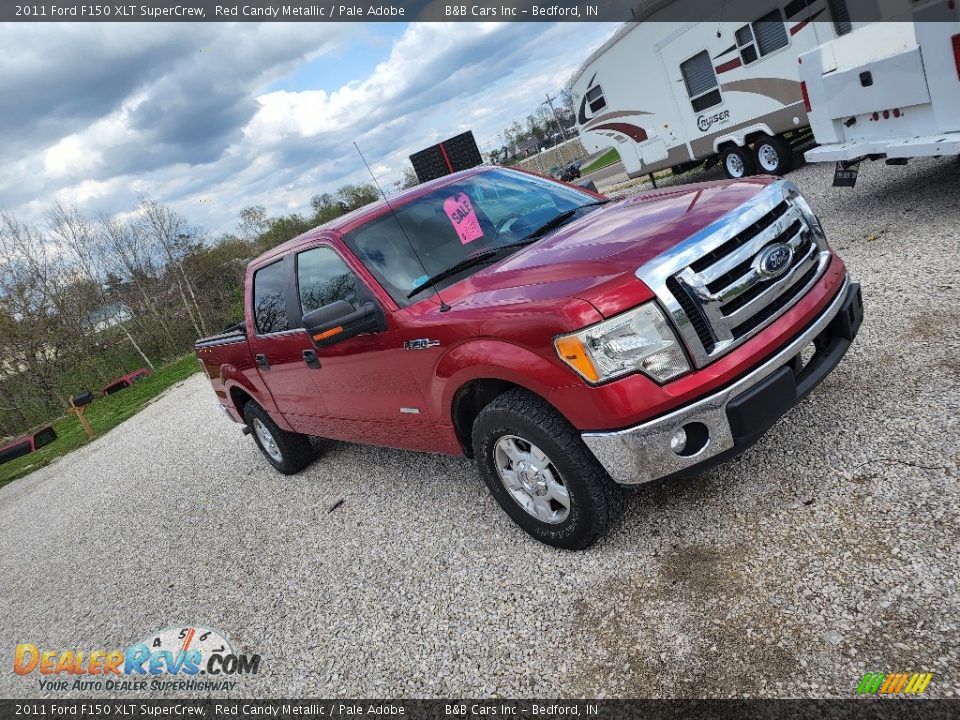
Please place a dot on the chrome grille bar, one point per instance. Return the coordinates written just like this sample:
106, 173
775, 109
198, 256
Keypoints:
712, 285
783, 285
751, 248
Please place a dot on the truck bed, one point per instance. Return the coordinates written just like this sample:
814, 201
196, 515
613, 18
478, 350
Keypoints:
235, 333
227, 352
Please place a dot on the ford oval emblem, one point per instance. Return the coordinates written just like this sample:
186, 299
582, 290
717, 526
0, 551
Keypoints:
774, 260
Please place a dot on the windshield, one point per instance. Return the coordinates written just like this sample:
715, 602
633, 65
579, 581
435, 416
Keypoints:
459, 220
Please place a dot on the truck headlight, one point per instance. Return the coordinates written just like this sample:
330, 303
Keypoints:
639, 340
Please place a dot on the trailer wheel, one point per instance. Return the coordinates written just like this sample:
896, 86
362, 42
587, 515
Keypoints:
737, 162
774, 155
288, 452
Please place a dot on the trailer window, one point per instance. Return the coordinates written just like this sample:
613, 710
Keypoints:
760, 38
701, 81
269, 306
841, 16
771, 33
748, 49
595, 99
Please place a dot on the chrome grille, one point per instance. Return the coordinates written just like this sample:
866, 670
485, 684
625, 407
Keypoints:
713, 285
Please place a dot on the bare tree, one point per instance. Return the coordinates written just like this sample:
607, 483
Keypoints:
76, 233
169, 229
32, 295
126, 255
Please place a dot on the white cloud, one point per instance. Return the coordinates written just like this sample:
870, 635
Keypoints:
201, 131
69, 157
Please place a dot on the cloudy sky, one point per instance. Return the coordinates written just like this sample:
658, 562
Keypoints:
211, 118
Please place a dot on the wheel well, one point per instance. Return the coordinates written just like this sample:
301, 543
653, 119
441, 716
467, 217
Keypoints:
725, 144
468, 401
240, 398
754, 136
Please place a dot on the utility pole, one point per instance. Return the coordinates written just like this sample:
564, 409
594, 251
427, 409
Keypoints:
550, 100
563, 133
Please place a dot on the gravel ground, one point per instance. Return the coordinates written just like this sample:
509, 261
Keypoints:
827, 550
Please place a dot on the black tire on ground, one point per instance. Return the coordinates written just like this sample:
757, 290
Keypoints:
293, 450
737, 162
594, 500
774, 155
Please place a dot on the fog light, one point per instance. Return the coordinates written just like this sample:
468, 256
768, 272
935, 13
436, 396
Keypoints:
678, 442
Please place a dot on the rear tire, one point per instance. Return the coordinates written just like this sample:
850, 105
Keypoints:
288, 452
537, 468
737, 162
774, 155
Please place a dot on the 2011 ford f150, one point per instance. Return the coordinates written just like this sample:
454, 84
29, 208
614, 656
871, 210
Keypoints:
571, 344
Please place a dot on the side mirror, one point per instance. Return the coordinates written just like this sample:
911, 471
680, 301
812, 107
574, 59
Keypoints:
339, 320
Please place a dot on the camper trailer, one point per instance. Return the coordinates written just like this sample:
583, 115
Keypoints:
669, 94
889, 90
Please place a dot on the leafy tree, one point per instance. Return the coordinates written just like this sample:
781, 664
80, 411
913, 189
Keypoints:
253, 222
356, 196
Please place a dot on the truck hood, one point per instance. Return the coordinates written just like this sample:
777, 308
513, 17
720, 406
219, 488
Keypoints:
595, 258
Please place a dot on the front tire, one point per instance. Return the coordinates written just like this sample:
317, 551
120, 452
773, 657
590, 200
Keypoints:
288, 452
774, 155
540, 472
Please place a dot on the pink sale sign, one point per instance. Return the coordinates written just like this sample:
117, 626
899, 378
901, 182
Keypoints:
463, 217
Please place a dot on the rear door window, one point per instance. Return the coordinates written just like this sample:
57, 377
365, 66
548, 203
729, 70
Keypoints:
269, 305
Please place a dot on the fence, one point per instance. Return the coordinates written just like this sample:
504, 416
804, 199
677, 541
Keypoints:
559, 156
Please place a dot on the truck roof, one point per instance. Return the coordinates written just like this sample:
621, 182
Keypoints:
360, 216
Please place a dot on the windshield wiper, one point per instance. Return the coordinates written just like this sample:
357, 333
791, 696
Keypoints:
560, 219
468, 262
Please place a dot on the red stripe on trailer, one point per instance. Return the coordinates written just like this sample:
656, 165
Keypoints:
799, 26
729, 65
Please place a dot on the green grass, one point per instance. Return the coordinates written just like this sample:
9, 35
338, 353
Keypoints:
608, 158
104, 413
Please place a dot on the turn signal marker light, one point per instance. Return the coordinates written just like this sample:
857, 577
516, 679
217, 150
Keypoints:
573, 353
328, 333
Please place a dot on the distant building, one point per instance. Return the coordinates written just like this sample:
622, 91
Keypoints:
528, 146
107, 317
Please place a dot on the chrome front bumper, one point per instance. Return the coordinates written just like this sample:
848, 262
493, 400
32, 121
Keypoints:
642, 453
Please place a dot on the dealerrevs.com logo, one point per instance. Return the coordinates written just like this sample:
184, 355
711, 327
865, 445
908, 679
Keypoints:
179, 658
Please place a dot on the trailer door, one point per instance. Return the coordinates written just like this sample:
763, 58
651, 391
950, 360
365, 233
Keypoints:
693, 80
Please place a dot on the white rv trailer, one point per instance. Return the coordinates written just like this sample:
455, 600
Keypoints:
673, 94
888, 90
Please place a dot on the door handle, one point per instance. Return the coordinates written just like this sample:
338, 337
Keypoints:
310, 358
262, 362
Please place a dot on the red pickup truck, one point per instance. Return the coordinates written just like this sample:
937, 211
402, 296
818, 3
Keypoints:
571, 344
